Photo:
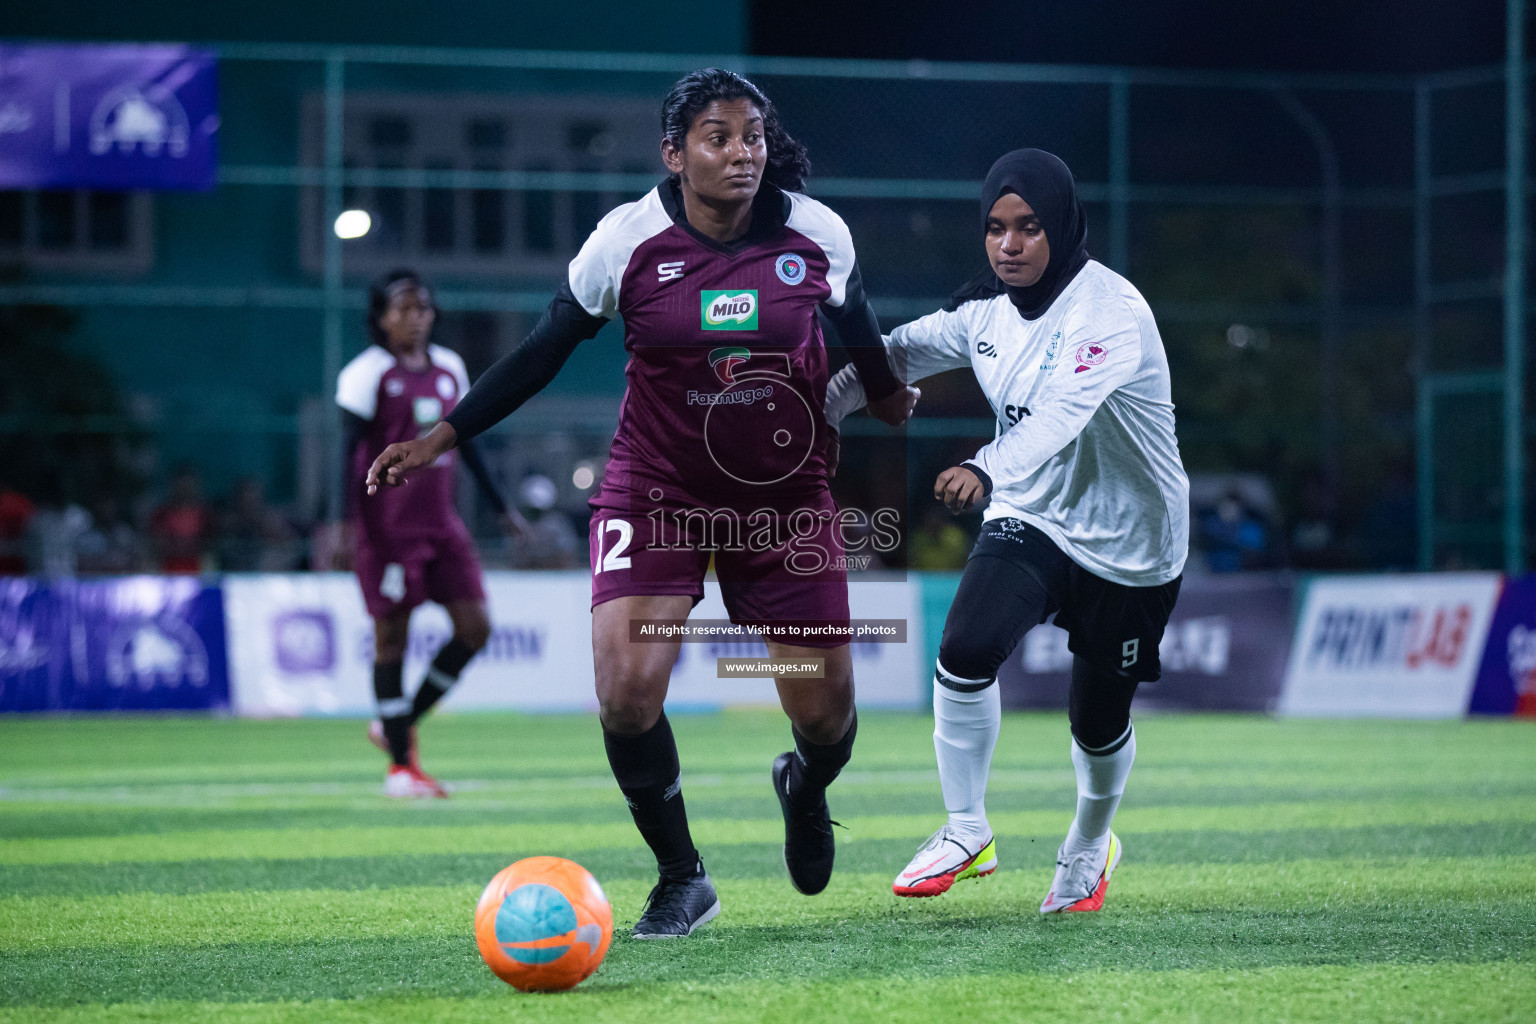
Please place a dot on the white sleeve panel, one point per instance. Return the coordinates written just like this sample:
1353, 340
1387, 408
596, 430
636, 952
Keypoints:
451, 361
818, 223
1097, 359
932, 344
357, 388
598, 269
935, 343
845, 395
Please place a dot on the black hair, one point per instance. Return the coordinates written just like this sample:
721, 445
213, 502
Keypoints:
788, 163
380, 292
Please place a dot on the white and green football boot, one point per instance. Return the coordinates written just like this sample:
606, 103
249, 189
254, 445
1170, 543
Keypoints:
946, 858
1082, 880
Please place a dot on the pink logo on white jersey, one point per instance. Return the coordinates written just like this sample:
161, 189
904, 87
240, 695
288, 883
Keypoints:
1089, 356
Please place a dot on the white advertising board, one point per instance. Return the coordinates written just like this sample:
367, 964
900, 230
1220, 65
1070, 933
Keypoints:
302, 644
1389, 646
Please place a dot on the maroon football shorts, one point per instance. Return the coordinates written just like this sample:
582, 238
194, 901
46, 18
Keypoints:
773, 566
402, 574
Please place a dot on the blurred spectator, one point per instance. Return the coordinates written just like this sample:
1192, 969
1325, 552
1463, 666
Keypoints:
1389, 528
330, 547
1315, 542
15, 512
1234, 535
111, 545
54, 531
182, 527
547, 541
253, 536
940, 542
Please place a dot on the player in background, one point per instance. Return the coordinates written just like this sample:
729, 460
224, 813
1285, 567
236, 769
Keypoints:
1088, 516
718, 273
410, 545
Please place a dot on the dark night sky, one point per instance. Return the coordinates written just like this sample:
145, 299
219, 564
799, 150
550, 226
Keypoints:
1307, 35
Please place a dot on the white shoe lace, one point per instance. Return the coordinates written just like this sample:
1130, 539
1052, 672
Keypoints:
933, 841
936, 844
1077, 874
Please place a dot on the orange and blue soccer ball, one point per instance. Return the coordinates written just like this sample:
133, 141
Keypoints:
543, 924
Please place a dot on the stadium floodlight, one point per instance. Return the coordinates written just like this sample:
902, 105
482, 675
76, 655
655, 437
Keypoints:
353, 223
584, 476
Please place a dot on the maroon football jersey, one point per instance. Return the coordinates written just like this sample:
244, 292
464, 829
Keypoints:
727, 370
398, 404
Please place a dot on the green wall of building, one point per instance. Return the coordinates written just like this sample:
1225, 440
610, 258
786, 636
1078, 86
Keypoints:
251, 366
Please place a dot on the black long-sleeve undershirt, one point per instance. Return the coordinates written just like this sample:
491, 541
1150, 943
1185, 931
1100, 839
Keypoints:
859, 331
527, 369
352, 427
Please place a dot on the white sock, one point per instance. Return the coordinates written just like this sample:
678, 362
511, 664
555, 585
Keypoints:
1100, 782
965, 727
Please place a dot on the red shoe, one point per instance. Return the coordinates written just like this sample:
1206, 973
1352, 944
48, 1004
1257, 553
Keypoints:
1082, 881
944, 860
408, 781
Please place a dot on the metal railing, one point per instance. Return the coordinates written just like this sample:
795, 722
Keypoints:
1118, 191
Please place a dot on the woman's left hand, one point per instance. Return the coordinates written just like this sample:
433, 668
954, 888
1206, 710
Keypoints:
958, 488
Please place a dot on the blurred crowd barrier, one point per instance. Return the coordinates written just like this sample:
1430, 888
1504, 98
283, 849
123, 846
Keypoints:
262, 645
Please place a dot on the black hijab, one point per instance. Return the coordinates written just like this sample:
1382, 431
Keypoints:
1045, 183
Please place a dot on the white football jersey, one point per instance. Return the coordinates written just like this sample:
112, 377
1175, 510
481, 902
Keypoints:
1085, 447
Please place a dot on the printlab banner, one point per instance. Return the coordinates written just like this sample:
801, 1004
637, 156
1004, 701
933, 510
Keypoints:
107, 117
302, 644
1390, 646
1225, 649
139, 643
1506, 679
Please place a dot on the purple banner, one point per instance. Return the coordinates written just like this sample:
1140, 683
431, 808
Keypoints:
107, 117
140, 643
1506, 679
1225, 649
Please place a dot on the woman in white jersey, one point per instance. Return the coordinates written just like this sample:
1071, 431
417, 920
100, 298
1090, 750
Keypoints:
1088, 517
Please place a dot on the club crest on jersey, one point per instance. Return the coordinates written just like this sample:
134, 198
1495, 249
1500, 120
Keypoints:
728, 311
426, 411
725, 360
1089, 356
790, 268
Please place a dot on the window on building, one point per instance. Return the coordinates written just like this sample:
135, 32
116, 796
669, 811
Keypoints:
477, 231
76, 230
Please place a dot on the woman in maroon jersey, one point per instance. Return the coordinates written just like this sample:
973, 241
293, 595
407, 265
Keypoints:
410, 546
722, 452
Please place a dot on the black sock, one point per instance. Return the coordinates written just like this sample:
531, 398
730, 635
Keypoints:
815, 766
650, 778
394, 709
441, 675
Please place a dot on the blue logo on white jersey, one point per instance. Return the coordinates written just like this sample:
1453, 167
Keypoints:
790, 268
1051, 352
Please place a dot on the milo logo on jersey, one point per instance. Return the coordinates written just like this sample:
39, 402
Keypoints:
728, 311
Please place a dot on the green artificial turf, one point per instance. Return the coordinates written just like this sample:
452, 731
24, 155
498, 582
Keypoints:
166, 869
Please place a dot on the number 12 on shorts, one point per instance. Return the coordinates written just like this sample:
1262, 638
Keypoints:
1129, 652
614, 557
